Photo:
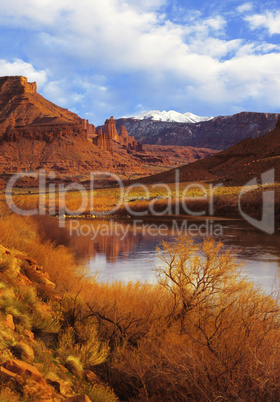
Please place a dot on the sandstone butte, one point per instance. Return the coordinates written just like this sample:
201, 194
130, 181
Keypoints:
104, 139
26, 114
37, 134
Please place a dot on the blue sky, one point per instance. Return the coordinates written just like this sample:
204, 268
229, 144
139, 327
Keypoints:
109, 57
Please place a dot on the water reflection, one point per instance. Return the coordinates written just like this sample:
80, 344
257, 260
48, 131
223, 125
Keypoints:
127, 251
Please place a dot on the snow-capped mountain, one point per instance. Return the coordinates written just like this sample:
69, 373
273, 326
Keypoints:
171, 116
218, 133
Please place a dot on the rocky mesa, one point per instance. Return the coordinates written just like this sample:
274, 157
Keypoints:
26, 114
37, 134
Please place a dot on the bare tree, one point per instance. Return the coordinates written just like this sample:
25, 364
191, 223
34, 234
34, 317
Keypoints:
197, 274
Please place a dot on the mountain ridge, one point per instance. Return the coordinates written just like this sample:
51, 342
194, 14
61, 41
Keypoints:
171, 116
218, 133
236, 165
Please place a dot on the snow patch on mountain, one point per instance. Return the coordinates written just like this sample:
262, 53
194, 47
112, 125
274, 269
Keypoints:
171, 116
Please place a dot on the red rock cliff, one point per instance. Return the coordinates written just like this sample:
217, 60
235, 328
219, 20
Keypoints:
104, 139
25, 113
110, 130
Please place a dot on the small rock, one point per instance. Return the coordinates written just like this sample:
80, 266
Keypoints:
91, 377
38, 392
48, 283
63, 369
29, 334
60, 386
27, 377
23, 280
23, 351
4, 251
9, 322
29, 260
6, 375
24, 369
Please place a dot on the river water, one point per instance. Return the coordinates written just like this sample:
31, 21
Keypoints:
127, 250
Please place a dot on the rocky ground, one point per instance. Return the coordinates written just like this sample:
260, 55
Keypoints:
29, 315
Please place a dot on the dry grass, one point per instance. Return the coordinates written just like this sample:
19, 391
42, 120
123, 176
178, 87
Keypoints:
218, 340
155, 199
22, 233
203, 333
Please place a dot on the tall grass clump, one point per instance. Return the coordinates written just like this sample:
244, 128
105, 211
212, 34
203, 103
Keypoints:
22, 233
89, 353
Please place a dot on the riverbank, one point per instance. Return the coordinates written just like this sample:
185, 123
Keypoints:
191, 334
181, 200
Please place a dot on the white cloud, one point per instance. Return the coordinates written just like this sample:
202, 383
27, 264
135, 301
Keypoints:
206, 26
55, 90
110, 31
269, 20
257, 49
215, 47
39, 12
194, 58
147, 4
244, 8
250, 76
87, 95
19, 67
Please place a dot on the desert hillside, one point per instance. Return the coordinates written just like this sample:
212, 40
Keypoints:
235, 165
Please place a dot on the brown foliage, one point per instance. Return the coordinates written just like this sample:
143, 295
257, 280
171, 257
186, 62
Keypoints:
203, 333
22, 233
218, 341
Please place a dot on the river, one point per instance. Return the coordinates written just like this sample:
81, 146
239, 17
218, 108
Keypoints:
127, 250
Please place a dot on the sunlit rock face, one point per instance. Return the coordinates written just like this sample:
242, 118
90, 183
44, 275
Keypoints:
26, 114
105, 138
110, 130
37, 134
